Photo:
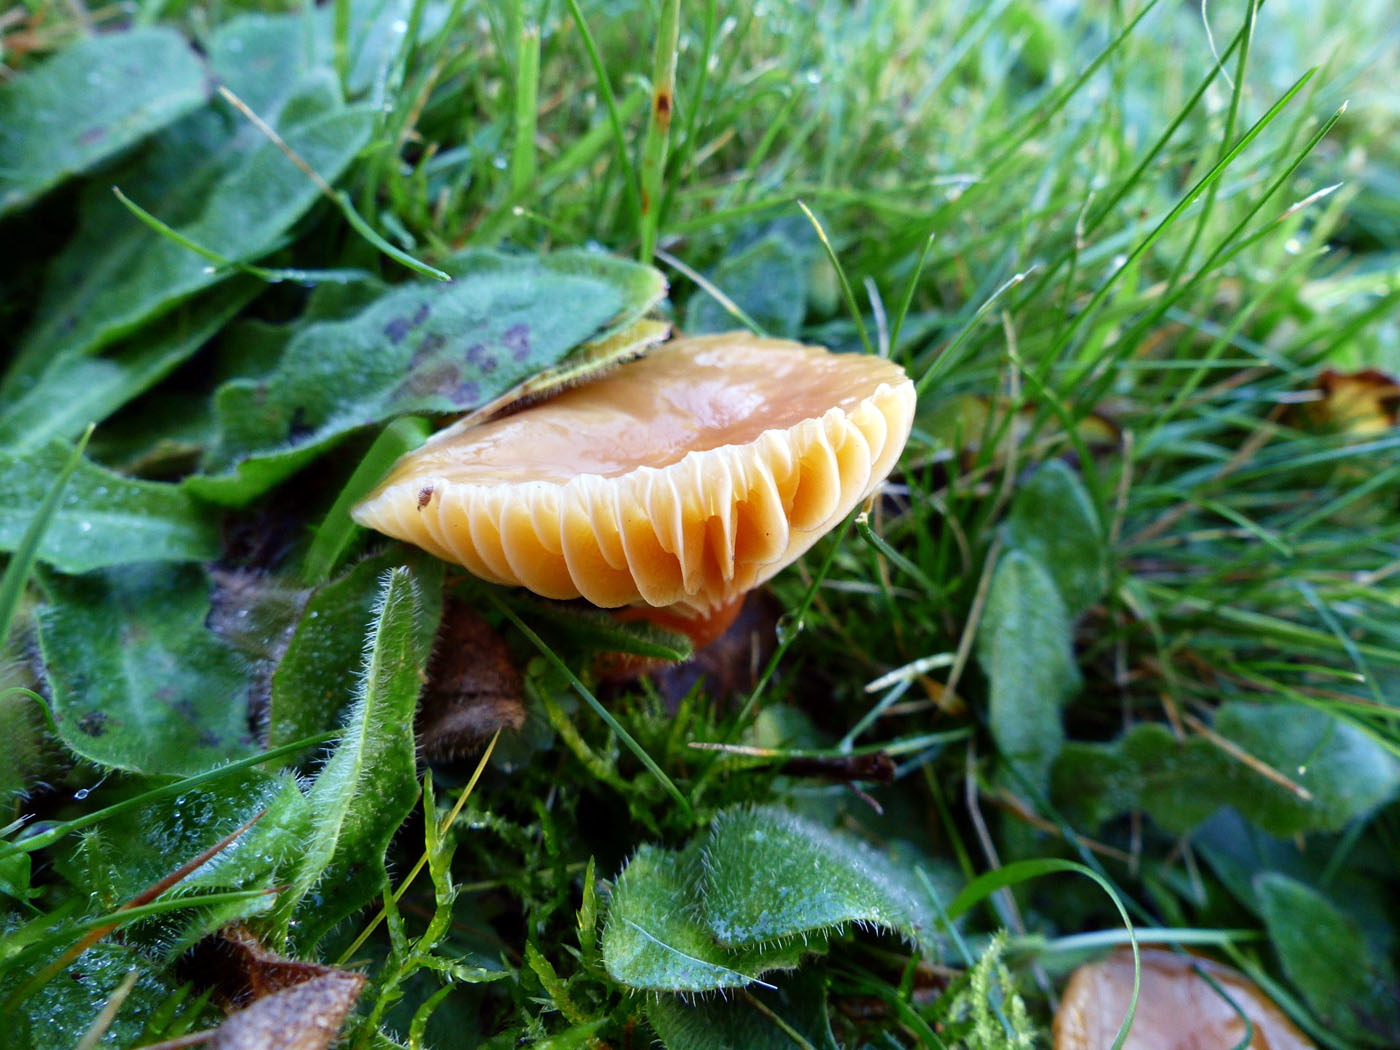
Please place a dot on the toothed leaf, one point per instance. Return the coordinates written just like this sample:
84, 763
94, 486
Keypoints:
655, 939
772, 875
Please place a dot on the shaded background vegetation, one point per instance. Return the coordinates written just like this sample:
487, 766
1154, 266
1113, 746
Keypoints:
1129, 599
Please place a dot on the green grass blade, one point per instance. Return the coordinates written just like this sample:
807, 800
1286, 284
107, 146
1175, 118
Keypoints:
1144, 245
615, 117
1227, 134
336, 531
22, 561
527, 88
52, 834
846, 291
602, 712
658, 136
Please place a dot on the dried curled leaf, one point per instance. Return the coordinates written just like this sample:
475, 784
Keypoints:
241, 970
473, 687
1360, 403
306, 1016
278, 1003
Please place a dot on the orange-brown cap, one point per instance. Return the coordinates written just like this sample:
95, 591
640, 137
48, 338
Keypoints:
1178, 1008
681, 479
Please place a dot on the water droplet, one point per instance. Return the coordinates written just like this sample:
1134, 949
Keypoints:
81, 794
399, 26
813, 76
788, 628
499, 162
84, 526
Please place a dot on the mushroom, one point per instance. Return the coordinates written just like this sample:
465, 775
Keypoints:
678, 481
1178, 1008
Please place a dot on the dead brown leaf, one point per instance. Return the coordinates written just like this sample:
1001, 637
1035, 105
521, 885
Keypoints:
473, 687
276, 1003
1361, 403
306, 1016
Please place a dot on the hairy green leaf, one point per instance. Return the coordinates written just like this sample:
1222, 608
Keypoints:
90, 102
771, 875
139, 683
368, 786
655, 939
103, 519
263, 857
316, 678
1052, 519
1025, 647
1352, 989
422, 347
737, 1023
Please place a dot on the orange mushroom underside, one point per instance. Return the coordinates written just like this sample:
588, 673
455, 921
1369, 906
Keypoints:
679, 480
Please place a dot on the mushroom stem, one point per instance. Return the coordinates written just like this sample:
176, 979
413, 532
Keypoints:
701, 630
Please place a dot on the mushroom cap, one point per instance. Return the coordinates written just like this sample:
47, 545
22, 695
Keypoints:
1178, 1009
681, 479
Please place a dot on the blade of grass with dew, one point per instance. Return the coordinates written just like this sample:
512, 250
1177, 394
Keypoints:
340, 199
52, 834
272, 276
